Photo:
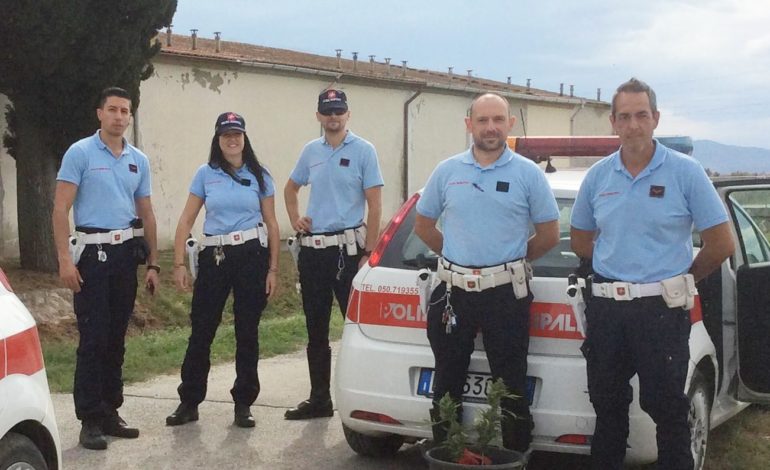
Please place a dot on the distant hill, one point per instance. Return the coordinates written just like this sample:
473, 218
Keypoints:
731, 158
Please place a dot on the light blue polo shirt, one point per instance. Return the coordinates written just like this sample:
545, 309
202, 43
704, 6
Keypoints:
107, 186
230, 205
337, 178
487, 212
645, 223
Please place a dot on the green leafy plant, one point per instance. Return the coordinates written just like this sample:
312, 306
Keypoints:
487, 426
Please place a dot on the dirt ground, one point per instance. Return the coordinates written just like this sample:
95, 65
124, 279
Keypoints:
25, 282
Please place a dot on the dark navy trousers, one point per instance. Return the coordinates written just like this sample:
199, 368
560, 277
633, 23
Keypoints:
645, 337
318, 269
504, 324
103, 308
244, 272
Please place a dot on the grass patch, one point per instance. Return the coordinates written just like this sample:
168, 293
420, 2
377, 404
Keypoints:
159, 330
162, 351
742, 442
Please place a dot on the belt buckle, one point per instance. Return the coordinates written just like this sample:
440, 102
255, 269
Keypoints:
621, 291
472, 282
116, 237
236, 238
319, 241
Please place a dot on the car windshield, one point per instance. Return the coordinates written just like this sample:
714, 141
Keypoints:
407, 251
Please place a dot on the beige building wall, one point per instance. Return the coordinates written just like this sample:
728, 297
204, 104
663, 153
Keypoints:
177, 117
179, 104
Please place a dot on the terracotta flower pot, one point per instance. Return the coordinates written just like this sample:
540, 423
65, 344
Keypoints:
502, 459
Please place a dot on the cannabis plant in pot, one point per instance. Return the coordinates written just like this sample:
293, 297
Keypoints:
459, 450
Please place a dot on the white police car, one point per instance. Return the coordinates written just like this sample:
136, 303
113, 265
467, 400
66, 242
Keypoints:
29, 439
384, 369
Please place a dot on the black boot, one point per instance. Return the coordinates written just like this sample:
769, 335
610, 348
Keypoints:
516, 425
319, 405
184, 413
440, 428
243, 417
114, 425
91, 435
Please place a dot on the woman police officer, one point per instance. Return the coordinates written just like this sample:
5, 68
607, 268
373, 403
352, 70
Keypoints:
240, 252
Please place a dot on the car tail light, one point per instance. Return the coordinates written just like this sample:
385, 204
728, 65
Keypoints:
353, 305
376, 417
575, 439
22, 353
391, 229
4, 281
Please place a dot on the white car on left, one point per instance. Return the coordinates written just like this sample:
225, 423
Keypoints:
29, 438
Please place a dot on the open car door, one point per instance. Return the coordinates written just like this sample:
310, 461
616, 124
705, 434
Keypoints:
749, 207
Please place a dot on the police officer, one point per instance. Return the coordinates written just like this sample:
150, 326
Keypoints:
633, 216
108, 181
240, 253
487, 196
344, 177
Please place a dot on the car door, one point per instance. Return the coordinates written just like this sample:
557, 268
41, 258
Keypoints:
749, 207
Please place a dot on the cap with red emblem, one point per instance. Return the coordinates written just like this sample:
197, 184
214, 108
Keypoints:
332, 99
227, 122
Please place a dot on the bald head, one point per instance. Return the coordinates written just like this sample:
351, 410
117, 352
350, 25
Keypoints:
490, 98
489, 123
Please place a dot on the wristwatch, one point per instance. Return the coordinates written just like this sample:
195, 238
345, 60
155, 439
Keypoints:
153, 267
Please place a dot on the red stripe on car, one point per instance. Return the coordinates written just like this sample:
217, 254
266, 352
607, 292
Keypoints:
2, 358
391, 309
552, 320
696, 314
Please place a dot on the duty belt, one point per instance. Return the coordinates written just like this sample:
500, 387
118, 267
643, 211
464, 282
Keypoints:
322, 241
350, 238
677, 291
239, 237
478, 279
626, 290
113, 237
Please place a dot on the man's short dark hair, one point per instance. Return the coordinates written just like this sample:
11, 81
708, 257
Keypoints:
113, 91
634, 85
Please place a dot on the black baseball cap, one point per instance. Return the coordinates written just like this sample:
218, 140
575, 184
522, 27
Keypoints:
332, 99
229, 122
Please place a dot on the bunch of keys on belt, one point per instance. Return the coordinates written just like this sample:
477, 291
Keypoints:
100, 254
449, 319
219, 254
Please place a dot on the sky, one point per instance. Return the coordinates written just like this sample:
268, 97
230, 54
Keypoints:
707, 60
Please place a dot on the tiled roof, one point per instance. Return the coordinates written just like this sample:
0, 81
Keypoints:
181, 46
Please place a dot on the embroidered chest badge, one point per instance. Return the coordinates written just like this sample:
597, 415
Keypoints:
133, 168
344, 162
657, 191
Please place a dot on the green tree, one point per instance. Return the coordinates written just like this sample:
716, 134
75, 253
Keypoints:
56, 57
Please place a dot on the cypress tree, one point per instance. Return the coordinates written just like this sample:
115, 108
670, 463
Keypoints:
55, 58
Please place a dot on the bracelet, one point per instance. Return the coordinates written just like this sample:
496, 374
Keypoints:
153, 267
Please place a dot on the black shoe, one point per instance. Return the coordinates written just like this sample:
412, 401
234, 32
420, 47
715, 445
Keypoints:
114, 425
309, 409
184, 413
243, 417
91, 436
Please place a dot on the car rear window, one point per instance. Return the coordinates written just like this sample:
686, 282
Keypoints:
407, 251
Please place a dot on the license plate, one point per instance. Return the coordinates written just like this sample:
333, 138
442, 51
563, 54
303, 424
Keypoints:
475, 388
